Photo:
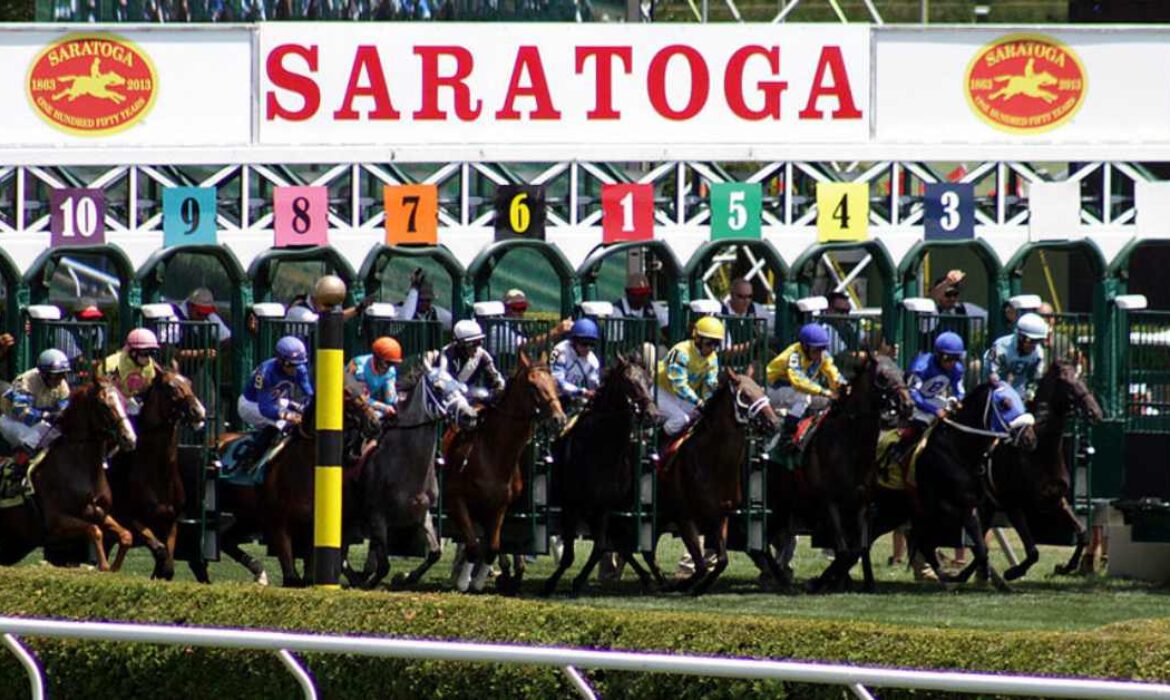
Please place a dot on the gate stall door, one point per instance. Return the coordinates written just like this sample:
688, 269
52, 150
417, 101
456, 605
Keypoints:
541, 272
420, 294
10, 322
92, 288
860, 277
969, 308
287, 277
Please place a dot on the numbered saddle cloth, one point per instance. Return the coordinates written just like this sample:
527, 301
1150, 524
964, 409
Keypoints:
14, 486
237, 464
899, 474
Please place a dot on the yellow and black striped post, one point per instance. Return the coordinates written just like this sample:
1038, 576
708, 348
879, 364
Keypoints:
329, 295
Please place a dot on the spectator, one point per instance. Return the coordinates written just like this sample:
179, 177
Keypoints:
638, 301
304, 309
86, 340
419, 302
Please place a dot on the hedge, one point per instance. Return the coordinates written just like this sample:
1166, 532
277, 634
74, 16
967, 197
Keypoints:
86, 669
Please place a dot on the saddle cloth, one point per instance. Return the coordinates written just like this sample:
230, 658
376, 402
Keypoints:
899, 475
232, 459
14, 487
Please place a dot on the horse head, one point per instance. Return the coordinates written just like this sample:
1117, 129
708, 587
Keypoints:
111, 414
540, 389
1061, 391
172, 399
994, 409
357, 412
878, 382
627, 385
751, 403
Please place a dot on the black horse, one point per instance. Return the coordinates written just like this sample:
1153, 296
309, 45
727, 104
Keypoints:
1031, 487
832, 487
951, 475
595, 469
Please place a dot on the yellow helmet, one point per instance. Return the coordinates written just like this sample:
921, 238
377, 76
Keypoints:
708, 327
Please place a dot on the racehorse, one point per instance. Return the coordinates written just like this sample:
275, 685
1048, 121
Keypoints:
1028, 486
701, 484
595, 469
484, 468
834, 483
147, 487
282, 506
71, 494
397, 486
950, 472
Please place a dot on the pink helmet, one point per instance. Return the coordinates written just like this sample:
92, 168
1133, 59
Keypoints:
142, 339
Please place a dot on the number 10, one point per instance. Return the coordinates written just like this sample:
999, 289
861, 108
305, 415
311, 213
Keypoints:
78, 218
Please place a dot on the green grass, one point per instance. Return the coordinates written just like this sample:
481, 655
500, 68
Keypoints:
1039, 602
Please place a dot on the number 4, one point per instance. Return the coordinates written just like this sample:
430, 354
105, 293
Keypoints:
841, 212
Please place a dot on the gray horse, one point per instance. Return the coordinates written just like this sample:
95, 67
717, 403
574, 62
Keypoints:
397, 487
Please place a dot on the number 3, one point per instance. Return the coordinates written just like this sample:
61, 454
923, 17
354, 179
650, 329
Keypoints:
950, 203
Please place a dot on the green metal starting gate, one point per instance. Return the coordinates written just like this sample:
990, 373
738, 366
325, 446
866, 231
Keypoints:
1145, 383
417, 337
270, 330
83, 342
920, 330
195, 348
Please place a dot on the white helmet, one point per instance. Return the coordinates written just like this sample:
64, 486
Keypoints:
1032, 326
467, 330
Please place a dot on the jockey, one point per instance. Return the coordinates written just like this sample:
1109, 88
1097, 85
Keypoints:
378, 371
573, 364
33, 402
267, 401
689, 374
133, 367
935, 381
803, 375
1018, 358
467, 361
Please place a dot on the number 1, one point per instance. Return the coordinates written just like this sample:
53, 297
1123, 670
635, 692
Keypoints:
627, 204
841, 213
411, 201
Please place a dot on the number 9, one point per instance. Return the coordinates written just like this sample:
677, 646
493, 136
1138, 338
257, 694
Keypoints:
190, 213
519, 213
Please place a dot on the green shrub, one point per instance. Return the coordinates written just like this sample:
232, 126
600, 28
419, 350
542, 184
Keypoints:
87, 669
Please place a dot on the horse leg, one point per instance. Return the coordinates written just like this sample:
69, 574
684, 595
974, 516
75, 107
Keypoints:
157, 549
869, 585
1031, 554
568, 552
689, 532
471, 549
1074, 562
232, 548
434, 553
974, 531
720, 561
125, 537
492, 537
643, 576
925, 546
836, 570
62, 526
598, 526
378, 553
650, 556
281, 540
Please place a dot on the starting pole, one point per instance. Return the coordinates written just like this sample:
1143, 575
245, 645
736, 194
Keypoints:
329, 295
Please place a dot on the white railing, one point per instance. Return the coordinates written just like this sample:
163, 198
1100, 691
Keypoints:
857, 678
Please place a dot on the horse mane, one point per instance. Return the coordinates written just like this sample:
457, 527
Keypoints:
410, 380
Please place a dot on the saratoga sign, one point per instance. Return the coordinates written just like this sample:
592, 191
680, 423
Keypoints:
411, 84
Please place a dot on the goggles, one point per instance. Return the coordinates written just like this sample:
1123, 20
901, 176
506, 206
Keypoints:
639, 291
517, 305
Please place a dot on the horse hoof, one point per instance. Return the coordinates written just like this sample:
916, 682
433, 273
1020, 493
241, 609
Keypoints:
399, 582
261, 578
293, 582
1013, 573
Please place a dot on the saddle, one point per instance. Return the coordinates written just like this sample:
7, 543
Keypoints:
806, 429
670, 447
455, 447
896, 471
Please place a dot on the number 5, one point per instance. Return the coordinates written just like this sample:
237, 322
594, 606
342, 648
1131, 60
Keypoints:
737, 211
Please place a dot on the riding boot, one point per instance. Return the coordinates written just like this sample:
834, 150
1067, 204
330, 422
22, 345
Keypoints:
788, 432
260, 444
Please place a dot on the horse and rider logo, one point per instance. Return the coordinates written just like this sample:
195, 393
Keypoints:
92, 84
1025, 83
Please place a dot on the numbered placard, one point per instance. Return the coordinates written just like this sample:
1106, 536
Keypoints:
950, 212
412, 214
627, 213
301, 216
188, 216
842, 211
78, 217
736, 209
520, 212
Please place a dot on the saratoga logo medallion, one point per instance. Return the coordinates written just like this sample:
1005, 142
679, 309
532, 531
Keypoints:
1025, 83
92, 84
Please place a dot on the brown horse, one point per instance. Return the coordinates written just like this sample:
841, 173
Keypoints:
484, 464
282, 507
147, 486
702, 484
72, 497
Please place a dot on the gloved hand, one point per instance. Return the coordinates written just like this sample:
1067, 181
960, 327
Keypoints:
418, 277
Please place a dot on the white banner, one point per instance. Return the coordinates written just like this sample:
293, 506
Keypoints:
439, 83
152, 87
977, 86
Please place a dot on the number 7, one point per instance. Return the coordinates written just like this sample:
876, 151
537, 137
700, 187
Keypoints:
411, 201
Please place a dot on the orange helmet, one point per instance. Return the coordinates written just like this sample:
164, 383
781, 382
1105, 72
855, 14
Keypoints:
387, 349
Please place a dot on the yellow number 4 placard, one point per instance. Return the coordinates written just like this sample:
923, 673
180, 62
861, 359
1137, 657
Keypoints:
842, 211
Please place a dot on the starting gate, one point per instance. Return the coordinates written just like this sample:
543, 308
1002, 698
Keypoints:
922, 324
83, 342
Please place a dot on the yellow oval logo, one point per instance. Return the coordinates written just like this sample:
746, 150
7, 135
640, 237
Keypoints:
1025, 83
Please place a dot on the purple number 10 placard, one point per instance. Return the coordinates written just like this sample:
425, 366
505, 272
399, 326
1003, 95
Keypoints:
78, 217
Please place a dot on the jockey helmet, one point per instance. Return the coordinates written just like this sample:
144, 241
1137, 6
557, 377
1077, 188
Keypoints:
949, 343
142, 339
1032, 326
53, 361
387, 349
709, 327
291, 349
468, 331
585, 329
814, 335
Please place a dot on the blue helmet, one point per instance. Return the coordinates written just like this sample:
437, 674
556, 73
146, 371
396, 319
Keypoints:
585, 329
949, 344
814, 335
290, 349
